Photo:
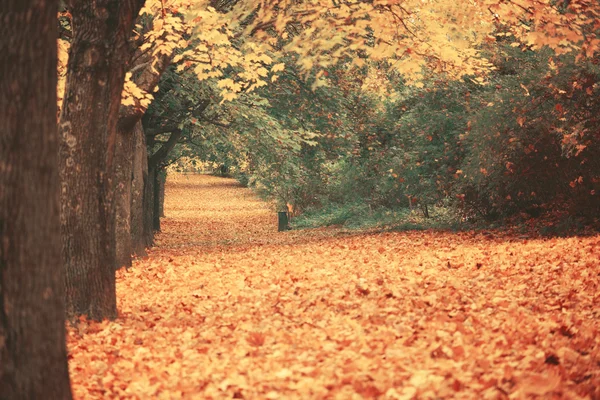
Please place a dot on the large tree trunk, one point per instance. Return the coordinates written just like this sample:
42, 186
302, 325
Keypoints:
88, 127
33, 357
123, 196
140, 175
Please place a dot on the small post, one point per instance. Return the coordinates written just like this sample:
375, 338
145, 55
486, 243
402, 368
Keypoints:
282, 221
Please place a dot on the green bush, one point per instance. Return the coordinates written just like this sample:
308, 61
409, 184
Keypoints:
534, 146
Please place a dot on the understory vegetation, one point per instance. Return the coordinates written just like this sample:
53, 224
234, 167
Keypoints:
443, 154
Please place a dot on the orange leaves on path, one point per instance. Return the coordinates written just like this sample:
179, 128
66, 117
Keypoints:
225, 307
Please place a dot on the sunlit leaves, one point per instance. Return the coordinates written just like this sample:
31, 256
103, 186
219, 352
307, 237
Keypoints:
63, 59
444, 36
133, 96
409, 35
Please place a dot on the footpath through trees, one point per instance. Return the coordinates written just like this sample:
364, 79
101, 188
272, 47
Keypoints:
226, 307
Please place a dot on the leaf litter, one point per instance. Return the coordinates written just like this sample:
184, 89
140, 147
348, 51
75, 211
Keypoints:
226, 307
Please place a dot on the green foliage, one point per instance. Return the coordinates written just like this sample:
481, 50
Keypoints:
534, 144
334, 214
438, 155
359, 215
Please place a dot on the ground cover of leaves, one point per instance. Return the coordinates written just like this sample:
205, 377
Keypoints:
225, 307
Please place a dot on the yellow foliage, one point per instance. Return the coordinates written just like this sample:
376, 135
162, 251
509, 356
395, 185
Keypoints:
63, 59
443, 35
133, 96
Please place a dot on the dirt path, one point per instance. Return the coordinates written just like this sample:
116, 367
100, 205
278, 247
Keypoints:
225, 307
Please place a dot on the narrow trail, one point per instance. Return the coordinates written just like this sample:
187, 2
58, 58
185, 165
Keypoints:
226, 307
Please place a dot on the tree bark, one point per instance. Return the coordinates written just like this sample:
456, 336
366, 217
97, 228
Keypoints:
140, 175
123, 195
88, 129
33, 357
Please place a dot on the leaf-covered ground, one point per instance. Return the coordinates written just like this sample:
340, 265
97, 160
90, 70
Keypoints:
225, 307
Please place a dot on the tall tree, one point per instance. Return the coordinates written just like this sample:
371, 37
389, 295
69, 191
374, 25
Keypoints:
139, 180
88, 128
148, 68
33, 358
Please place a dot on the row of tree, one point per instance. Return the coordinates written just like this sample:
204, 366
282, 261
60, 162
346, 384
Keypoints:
78, 197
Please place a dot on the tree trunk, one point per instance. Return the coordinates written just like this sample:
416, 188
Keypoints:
162, 180
33, 357
140, 175
156, 201
153, 193
149, 208
282, 221
88, 130
123, 190
150, 65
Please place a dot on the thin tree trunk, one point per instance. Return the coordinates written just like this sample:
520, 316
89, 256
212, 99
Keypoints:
33, 357
162, 180
88, 129
140, 175
123, 195
156, 203
153, 198
149, 208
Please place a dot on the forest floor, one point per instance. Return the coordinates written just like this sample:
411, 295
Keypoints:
226, 307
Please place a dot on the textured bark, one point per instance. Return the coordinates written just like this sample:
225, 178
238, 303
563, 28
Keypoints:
123, 196
88, 127
140, 175
33, 357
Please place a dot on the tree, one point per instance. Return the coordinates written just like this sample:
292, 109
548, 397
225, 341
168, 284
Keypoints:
33, 358
159, 30
88, 129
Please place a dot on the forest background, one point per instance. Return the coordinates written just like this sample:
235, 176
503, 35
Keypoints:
343, 110
442, 122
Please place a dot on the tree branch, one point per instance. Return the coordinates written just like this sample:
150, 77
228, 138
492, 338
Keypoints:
155, 159
161, 130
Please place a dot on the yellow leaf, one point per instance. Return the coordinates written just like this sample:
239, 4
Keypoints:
278, 67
